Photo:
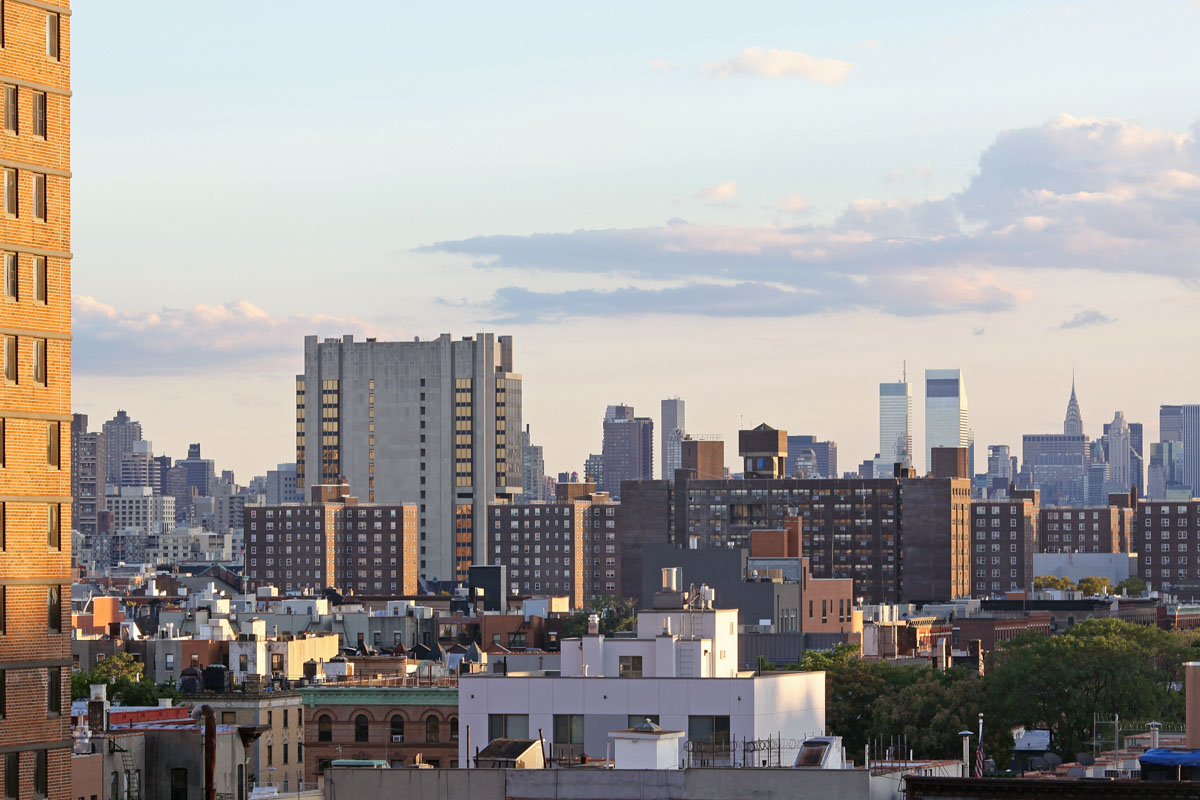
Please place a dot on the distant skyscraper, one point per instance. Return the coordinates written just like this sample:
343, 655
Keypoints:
281, 486
1118, 450
433, 422
120, 433
999, 471
593, 468
628, 449
1189, 423
533, 470
1073, 423
1170, 423
805, 449
200, 472
672, 433
946, 423
87, 475
895, 423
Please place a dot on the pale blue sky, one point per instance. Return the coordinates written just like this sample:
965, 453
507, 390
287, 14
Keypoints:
293, 158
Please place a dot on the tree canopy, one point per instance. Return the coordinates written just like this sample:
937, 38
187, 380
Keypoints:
126, 681
616, 614
1053, 582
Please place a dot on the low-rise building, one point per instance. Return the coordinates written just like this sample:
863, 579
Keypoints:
399, 725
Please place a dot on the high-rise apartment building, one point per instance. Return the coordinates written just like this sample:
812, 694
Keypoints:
436, 423
946, 423
120, 433
672, 433
35, 400
895, 423
628, 448
87, 476
1005, 538
333, 541
281, 485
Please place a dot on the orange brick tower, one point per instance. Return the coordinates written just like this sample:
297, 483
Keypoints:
35, 399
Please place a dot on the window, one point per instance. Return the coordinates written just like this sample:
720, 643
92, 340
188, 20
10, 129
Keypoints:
397, 728
39, 362
362, 728
12, 276
629, 667
54, 526
39, 114
270, 755
454, 729
713, 730
40, 288
324, 728
54, 609
39, 197
41, 770
3, 695
433, 730
10, 109
53, 450
508, 726
54, 691
12, 775
10, 193
52, 35
228, 717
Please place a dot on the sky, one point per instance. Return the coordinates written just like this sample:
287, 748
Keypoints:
765, 209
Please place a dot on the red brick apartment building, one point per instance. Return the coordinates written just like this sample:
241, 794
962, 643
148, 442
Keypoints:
35, 399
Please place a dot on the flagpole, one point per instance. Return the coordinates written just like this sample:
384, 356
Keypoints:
979, 757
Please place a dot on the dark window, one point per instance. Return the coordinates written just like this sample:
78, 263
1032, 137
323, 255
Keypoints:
397, 728
54, 691
12, 775
362, 728
433, 732
54, 609
54, 526
41, 772
3, 695
270, 755
454, 729
53, 449
324, 728
11, 116
179, 784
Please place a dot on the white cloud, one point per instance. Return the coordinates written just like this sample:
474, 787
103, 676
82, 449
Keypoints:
236, 335
794, 204
777, 63
723, 193
1090, 195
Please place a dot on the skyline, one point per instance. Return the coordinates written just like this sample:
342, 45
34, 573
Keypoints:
847, 201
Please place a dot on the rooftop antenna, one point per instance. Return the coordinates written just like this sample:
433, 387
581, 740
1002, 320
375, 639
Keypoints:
905, 370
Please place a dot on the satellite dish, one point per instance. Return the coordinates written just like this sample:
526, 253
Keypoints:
1087, 759
1052, 759
1075, 772
1038, 764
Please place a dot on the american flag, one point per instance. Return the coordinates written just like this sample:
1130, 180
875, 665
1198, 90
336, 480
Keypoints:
979, 762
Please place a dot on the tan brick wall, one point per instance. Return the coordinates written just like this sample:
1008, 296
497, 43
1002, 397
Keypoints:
28, 566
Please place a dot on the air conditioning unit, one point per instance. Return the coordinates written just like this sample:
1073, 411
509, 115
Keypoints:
397, 738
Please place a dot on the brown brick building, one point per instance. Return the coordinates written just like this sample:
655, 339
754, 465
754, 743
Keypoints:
35, 399
1103, 529
333, 541
1004, 536
1168, 545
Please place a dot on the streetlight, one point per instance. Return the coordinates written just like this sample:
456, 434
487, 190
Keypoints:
966, 740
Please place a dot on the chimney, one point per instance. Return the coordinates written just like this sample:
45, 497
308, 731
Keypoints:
594, 624
1154, 729
1191, 699
670, 579
98, 708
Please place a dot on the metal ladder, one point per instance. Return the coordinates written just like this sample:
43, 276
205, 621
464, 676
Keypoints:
135, 775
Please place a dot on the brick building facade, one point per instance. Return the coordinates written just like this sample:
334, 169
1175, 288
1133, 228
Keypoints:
1004, 538
35, 400
333, 541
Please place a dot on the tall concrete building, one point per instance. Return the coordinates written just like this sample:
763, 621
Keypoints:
436, 423
120, 433
628, 449
946, 423
672, 433
1189, 432
533, 470
1123, 461
895, 423
87, 476
199, 473
35, 399
281, 485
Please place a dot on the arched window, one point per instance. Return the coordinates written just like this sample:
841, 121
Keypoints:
432, 731
324, 728
397, 728
362, 728
114, 786
454, 729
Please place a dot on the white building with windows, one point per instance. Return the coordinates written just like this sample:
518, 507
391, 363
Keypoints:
678, 670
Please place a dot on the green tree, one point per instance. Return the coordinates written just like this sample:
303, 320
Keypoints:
1103, 666
815, 660
1133, 586
1092, 586
1053, 582
616, 614
125, 679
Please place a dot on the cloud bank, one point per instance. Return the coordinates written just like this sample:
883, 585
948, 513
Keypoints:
1071, 194
229, 336
1086, 318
